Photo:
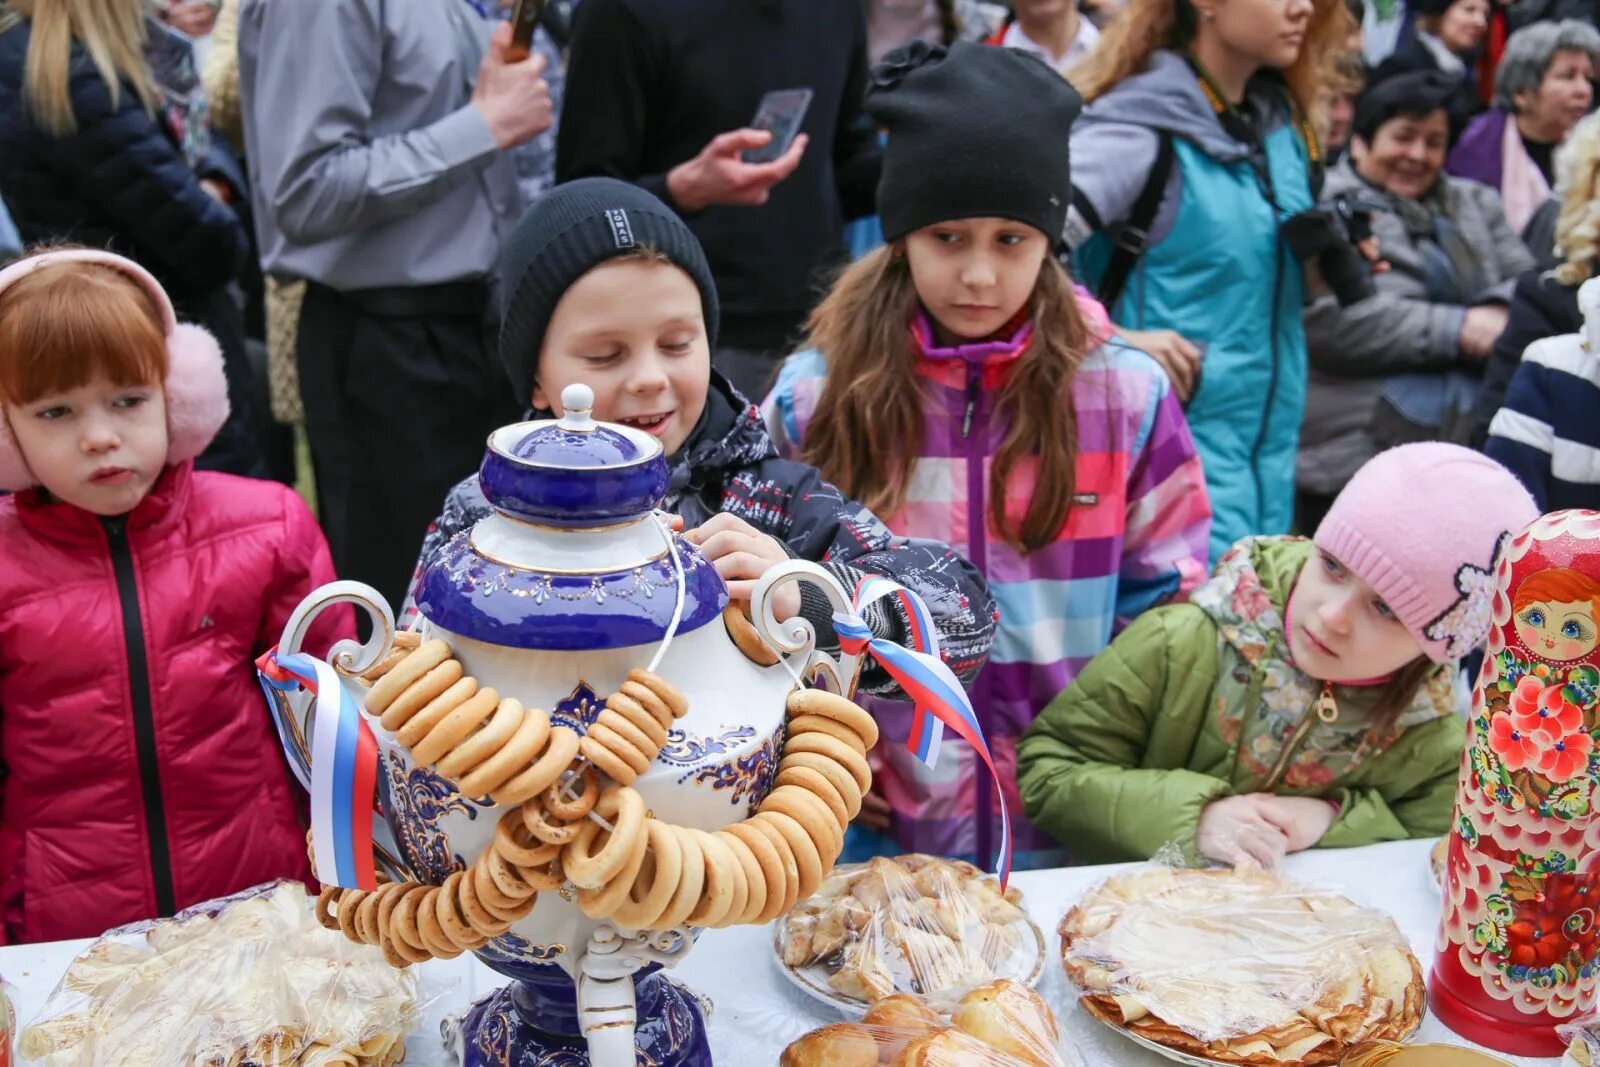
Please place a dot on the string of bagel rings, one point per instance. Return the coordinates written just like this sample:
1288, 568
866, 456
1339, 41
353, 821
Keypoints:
574, 817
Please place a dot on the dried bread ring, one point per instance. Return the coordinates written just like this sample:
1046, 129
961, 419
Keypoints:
687, 898
506, 877
741, 885
841, 780
478, 917
505, 909
755, 879
613, 765
557, 804
742, 632
815, 784
809, 810
836, 750
494, 773
516, 843
834, 706
403, 925
547, 879
490, 739
432, 930
425, 658
601, 903
455, 727
405, 641
591, 867
560, 748
773, 871
349, 905
661, 688
603, 735
327, 906
637, 736
638, 695
435, 711
451, 916
801, 845
538, 822
367, 917
624, 707
421, 693
716, 898
657, 882
821, 724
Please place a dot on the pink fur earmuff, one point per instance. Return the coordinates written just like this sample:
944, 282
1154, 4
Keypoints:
196, 388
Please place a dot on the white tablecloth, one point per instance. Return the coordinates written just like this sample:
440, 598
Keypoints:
756, 1012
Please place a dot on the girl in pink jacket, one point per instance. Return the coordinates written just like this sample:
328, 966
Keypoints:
140, 771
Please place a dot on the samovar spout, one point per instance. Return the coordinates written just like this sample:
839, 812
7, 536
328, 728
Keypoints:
607, 1006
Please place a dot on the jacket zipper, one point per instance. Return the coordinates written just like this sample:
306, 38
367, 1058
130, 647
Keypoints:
978, 547
1323, 709
144, 723
1272, 386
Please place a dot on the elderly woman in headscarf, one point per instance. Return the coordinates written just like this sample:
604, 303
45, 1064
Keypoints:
1543, 86
1403, 364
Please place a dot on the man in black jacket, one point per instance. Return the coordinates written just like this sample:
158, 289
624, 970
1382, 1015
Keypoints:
662, 92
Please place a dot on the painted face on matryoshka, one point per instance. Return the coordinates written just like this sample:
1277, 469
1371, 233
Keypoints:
1555, 613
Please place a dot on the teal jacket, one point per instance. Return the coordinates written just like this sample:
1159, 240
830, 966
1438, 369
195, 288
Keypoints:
1199, 701
1216, 271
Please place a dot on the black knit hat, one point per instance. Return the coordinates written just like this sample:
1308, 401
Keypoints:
569, 231
974, 131
1413, 94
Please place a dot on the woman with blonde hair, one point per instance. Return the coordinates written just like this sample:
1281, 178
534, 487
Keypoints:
88, 155
1198, 144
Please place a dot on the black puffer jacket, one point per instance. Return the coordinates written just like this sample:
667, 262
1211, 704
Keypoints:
1540, 307
119, 182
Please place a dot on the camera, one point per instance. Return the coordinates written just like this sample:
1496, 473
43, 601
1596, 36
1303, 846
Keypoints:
1329, 234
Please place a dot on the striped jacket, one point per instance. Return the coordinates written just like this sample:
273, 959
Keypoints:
1136, 537
1548, 433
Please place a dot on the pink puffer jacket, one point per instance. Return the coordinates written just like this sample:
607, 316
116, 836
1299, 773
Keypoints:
141, 770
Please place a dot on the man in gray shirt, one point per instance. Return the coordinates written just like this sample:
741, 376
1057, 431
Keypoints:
377, 137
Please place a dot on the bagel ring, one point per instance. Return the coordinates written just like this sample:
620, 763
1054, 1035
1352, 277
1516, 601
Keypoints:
716, 899
482, 746
841, 780
771, 863
653, 890
602, 903
800, 843
623, 807
455, 727
417, 663
493, 774
836, 750
556, 803
539, 825
560, 748
814, 783
687, 898
821, 724
755, 879
420, 694
834, 706
809, 810
663, 689
417, 727
742, 632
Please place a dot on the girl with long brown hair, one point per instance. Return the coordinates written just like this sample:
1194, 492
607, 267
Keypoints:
962, 389
1200, 140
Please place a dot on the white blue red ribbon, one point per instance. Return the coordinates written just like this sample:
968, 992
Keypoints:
343, 771
933, 688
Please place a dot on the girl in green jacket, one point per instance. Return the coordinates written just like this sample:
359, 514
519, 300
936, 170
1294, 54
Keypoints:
1309, 693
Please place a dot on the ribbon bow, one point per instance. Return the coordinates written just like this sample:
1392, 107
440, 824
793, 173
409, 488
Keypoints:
343, 774
933, 688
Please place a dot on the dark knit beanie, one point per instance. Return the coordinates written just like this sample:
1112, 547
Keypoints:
974, 131
569, 231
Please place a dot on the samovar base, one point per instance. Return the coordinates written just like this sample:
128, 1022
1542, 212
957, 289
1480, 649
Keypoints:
535, 1024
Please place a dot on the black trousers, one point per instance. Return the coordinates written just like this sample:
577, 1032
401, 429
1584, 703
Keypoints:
401, 388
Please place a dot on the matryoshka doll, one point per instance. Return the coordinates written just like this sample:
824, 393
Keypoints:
1518, 942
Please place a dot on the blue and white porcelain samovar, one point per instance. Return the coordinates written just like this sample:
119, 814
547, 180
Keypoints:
574, 581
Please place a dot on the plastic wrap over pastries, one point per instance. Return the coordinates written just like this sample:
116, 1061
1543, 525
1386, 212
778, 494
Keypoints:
912, 924
1240, 967
249, 980
1001, 1024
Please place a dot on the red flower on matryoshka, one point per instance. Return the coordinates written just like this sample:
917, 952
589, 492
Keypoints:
1516, 749
1540, 708
1560, 918
1565, 759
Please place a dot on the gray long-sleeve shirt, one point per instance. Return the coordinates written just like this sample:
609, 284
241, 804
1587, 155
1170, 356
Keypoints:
369, 165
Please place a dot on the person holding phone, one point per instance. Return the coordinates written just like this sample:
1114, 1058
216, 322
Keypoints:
669, 94
380, 139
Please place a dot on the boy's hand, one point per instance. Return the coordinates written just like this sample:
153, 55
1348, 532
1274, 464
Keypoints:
742, 554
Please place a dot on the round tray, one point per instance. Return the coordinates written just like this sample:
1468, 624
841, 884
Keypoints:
1184, 1057
812, 979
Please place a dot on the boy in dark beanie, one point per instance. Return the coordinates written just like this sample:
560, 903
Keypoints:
606, 286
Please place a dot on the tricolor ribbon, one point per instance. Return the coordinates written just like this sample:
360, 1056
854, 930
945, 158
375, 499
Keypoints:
343, 774
933, 688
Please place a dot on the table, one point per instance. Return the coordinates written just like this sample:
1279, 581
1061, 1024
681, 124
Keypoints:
756, 1012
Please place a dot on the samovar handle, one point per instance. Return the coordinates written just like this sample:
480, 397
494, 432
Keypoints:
795, 640
607, 1005
293, 710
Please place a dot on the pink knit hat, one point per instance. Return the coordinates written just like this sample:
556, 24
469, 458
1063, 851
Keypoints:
196, 389
1422, 524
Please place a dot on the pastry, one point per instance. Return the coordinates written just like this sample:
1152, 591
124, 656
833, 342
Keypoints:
839, 1045
1239, 967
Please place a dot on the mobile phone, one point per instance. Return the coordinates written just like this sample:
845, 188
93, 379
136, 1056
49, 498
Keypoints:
524, 17
780, 114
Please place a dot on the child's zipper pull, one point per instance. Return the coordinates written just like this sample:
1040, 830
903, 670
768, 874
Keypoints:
972, 402
1326, 707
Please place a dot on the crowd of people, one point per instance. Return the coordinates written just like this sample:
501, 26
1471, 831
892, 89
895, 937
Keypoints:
1191, 359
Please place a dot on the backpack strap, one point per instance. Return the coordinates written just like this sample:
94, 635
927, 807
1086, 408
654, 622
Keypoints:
1131, 239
